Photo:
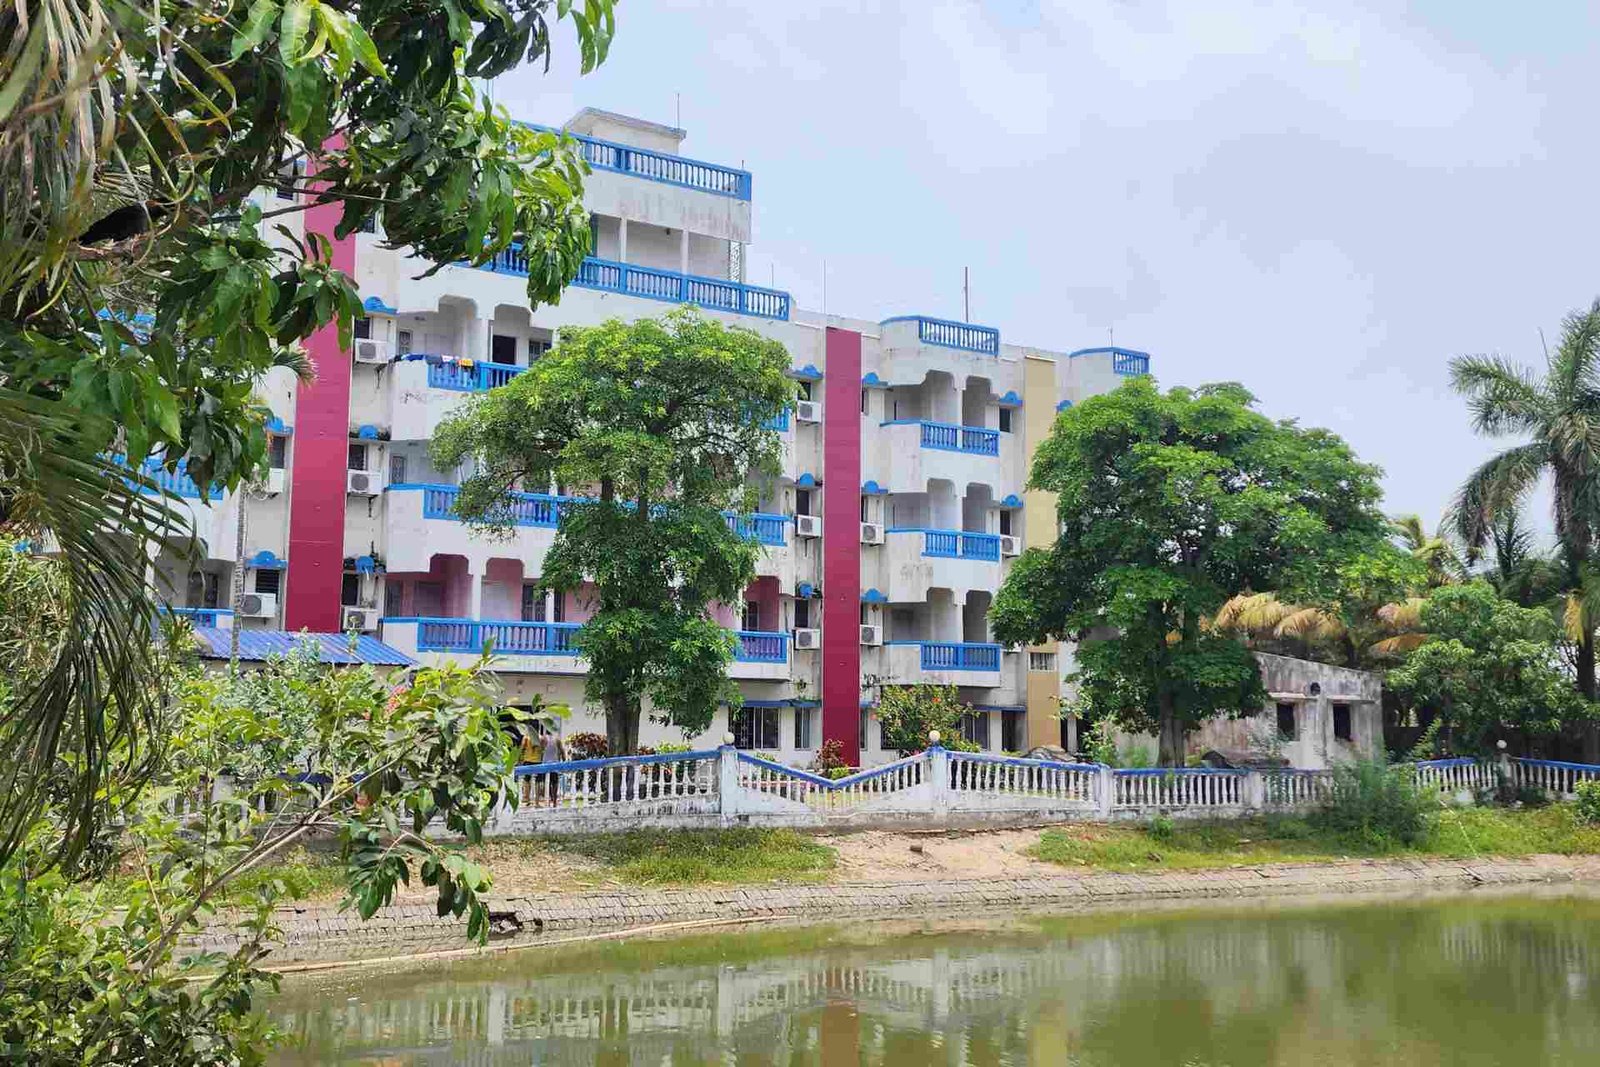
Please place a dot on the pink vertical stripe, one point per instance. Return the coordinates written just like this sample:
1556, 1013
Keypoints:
321, 446
841, 543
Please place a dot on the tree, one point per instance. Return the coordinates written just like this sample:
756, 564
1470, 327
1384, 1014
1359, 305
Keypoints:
908, 713
1560, 415
1518, 570
664, 420
1168, 504
142, 298
1486, 666
1434, 551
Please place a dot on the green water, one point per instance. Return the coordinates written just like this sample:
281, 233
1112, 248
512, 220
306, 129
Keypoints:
1459, 981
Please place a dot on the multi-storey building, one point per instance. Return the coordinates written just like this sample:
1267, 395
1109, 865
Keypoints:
899, 511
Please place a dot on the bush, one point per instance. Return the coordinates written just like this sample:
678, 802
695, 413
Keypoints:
1588, 806
586, 746
1161, 828
830, 758
1376, 803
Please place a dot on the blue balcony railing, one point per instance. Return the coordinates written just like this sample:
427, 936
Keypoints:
779, 422
766, 529
948, 437
944, 333
1130, 364
469, 378
956, 655
759, 646
653, 283
955, 544
510, 638
661, 167
175, 483
544, 510
526, 509
210, 618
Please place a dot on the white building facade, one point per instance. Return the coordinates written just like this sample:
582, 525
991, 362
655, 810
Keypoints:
899, 511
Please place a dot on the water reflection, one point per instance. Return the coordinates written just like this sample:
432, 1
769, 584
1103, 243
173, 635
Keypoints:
1482, 981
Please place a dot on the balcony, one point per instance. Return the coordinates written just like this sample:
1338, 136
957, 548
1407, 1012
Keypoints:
948, 437
546, 647
955, 544
943, 333
759, 654
204, 618
445, 372
525, 509
1125, 362
770, 530
945, 662
653, 283
660, 166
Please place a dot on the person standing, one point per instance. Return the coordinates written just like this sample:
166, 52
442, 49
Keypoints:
553, 751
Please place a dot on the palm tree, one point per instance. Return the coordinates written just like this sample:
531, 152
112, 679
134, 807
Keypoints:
1434, 551
1518, 570
1560, 417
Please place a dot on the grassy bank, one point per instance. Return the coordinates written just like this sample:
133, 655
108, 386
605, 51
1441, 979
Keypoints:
1457, 833
694, 857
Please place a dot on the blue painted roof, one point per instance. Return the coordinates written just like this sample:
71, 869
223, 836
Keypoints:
278, 426
872, 488
872, 596
872, 381
1064, 405
266, 560
331, 648
809, 373
367, 432
1012, 501
375, 303
1108, 350
808, 481
805, 590
1011, 400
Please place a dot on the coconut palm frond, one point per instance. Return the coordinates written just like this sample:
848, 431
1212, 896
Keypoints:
1404, 615
1249, 613
1308, 623
88, 713
1498, 486
1397, 645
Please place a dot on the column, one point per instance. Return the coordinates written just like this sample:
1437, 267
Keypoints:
683, 251
475, 593
622, 241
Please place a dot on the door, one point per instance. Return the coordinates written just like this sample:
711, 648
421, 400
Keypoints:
502, 349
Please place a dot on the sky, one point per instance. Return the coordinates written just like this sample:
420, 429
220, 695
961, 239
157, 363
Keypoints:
1325, 201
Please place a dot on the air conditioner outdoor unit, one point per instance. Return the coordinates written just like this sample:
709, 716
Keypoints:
371, 350
808, 411
362, 619
871, 533
362, 483
259, 605
274, 481
1010, 546
808, 526
872, 635
811, 638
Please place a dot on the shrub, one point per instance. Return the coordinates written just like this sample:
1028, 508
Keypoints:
1135, 757
1589, 802
1161, 828
1376, 803
586, 746
830, 758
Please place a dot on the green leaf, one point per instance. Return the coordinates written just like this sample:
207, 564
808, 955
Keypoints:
256, 27
366, 53
292, 29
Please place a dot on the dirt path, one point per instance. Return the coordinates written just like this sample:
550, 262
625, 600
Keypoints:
887, 856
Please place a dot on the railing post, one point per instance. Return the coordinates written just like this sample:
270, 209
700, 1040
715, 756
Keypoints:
938, 777
1105, 789
727, 781
1254, 793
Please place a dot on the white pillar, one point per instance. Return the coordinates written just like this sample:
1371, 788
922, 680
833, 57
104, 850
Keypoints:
475, 595
622, 241
727, 781
683, 251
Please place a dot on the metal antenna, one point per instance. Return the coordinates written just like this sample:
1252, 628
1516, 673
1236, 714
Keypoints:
966, 295
677, 120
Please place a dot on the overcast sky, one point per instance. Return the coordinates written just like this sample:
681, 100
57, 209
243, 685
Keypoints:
1323, 200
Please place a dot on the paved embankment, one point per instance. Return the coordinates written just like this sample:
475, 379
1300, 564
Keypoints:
323, 932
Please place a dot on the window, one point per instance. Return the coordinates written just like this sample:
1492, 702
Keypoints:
864, 502
402, 342
802, 728
392, 598
350, 589
210, 586
361, 328
532, 604
397, 470
269, 581
1286, 722
1043, 662
1005, 420
502, 349
802, 501
427, 599
802, 614
864, 729
756, 728
751, 619
805, 390
866, 615
1341, 722
277, 452
537, 347
358, 456
865, 395
284, 187
975, 728
1005, 522
1011, 731
558, 607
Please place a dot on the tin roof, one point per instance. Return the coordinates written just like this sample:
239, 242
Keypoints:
214, 643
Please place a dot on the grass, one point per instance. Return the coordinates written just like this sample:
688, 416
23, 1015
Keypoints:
1456, 833
695, 857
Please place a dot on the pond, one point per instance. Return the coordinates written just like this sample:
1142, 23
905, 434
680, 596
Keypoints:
1458, 980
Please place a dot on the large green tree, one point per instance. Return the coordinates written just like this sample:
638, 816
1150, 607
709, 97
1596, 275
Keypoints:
1168, 504
664, 421
1486, 666
141, 294
1559, 415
